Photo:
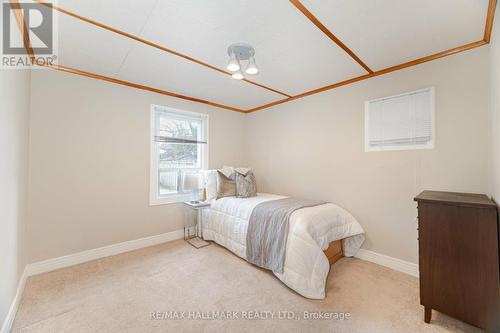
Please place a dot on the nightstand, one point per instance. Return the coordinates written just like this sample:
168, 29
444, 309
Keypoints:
198, 206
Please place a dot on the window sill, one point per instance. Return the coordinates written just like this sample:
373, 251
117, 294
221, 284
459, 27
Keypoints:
170, 199
429, 145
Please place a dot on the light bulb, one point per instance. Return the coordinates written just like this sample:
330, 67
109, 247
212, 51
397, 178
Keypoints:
252, 67
233, 65
238, 75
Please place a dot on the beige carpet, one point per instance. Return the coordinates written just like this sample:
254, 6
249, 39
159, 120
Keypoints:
118, 294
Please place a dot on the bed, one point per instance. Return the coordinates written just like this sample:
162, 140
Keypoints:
318, 236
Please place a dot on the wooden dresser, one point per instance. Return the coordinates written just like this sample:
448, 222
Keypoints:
459, 257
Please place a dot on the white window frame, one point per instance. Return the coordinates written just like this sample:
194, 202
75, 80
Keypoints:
154, 197
429, 145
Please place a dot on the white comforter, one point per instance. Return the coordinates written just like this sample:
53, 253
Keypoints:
311, 231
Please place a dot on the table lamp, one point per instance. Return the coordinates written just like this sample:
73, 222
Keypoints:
193, 182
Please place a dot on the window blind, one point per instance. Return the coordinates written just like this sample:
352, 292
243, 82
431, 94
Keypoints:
174, 127
400, 122
178, 147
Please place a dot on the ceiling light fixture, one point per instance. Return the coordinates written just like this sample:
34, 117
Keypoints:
252, 67
238, 75
241, 52
234, 64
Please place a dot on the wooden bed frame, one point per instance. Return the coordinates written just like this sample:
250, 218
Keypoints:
335, 251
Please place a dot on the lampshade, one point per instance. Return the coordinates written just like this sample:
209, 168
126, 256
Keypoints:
252, 67
233, 64
193, 181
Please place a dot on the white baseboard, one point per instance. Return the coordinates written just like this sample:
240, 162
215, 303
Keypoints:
101, 252
9, 319
78, 258
383, 260
110, 250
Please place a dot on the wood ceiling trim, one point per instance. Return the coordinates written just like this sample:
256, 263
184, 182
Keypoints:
27, 45
14, 4
138, 86
377, 73
489, 20
328, 33
144, 41
485, 41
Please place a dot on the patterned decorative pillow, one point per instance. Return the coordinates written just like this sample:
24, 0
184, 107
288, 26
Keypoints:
226, 185
246, 186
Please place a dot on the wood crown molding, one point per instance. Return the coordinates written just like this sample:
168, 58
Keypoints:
486, 40
27, 44
377, 73
149, 43
328, 33
138, 86
489, 20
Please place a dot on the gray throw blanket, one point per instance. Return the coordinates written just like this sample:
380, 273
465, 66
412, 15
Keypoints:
268, 231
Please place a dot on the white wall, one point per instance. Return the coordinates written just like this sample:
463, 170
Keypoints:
89, 163
495, 106
89, 159
14, 125
313, 148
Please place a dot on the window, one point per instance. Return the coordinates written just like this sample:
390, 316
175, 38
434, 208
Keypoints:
400, 122
178, 146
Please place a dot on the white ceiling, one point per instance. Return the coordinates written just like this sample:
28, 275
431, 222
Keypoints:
384, 33
293, 55
155, 68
